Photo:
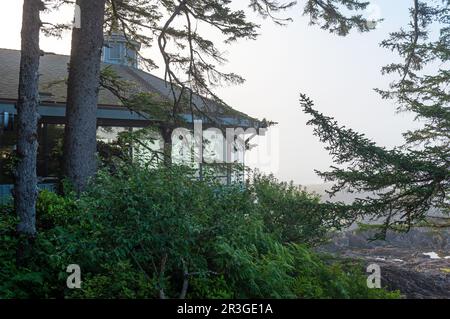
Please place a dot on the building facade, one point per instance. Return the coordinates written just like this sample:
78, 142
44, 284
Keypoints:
112, 116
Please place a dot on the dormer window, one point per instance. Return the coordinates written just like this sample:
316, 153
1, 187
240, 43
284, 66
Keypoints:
117, 50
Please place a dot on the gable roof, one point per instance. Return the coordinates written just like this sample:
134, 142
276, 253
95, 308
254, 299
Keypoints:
53, 71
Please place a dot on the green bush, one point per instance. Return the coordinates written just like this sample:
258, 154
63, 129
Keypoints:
53, 210
140, 232
44, 275
116, 280
327, 277
291, 213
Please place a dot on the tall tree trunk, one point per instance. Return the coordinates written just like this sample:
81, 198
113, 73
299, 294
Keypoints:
166, 134
80, 162
25, 189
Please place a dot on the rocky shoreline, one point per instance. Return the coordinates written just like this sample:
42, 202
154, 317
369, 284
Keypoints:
417, 263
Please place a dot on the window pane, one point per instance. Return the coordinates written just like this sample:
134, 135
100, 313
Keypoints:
114, 51
49, 159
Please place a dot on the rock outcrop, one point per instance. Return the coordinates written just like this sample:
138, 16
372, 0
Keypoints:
417, 263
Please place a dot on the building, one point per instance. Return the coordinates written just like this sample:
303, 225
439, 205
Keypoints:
112, 116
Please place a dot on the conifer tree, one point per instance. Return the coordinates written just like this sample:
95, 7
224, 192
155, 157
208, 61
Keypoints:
80, 144
25, 188
410, 180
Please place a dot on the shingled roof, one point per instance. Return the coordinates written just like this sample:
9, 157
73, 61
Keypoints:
53, 88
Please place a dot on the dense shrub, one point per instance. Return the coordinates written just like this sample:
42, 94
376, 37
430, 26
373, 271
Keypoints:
141, 232
327, 277
291, 213
53, 210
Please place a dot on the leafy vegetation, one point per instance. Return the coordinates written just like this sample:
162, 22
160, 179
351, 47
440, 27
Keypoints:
290, 213
144, 232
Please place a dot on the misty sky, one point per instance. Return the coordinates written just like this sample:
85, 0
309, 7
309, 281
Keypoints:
339, 74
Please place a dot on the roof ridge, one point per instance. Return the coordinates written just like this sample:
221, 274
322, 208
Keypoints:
45, 52
7, 49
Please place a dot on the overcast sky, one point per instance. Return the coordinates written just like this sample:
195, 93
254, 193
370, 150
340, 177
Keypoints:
339, 74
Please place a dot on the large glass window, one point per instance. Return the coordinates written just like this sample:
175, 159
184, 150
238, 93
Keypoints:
8, 141
49, 161
110, 134
50, 146
148, 146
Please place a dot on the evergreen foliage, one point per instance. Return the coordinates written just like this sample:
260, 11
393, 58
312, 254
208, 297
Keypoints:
409, 180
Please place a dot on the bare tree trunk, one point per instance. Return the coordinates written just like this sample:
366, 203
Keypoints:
166, 134
25, 188
80, 162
